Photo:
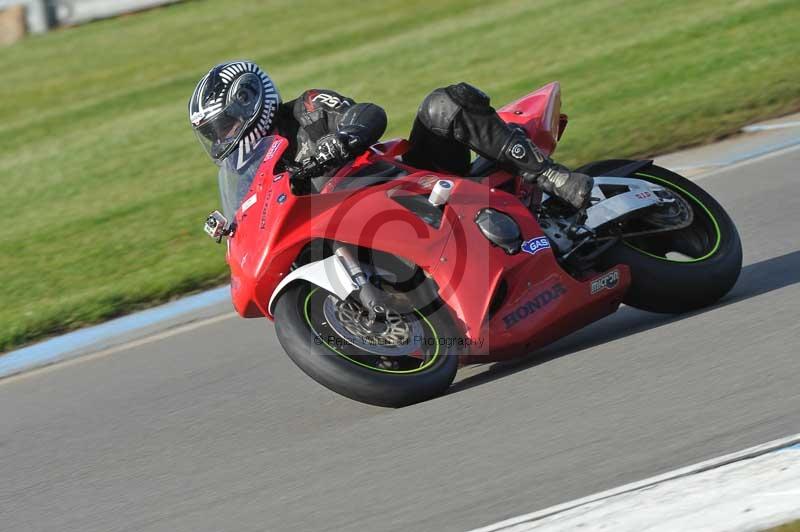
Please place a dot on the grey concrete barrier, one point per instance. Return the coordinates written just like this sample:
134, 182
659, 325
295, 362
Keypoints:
41, 15
71, 12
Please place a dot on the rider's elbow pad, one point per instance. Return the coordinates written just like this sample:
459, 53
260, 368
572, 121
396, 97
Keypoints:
365, 122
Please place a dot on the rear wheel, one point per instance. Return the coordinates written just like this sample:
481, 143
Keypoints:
398, 360
677, 271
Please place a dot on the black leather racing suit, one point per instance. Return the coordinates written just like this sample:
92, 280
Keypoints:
319, 112
451, 121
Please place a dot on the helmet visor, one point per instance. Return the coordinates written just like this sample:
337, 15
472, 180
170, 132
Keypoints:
220, 134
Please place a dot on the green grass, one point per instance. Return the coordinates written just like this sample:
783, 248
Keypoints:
794, 526
105, 187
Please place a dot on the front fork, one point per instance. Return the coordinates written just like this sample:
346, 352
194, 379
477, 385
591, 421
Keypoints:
372, 298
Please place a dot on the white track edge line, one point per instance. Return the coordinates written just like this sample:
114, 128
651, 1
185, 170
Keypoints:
745, 162
769, 127
699, 467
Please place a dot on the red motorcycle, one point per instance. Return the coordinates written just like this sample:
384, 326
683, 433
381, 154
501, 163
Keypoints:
388, 278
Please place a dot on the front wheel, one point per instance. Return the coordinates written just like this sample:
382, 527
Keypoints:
687, 269
398, 360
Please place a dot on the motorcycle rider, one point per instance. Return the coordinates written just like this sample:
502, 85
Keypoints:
236, 104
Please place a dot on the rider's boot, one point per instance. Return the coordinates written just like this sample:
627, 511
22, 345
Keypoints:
555, 179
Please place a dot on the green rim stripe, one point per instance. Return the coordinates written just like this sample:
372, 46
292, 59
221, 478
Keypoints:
708, 212
422, 367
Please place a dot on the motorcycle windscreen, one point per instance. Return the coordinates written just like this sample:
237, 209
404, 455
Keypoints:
236, 175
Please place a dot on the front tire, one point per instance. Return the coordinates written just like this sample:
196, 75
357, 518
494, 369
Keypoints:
709, 252
306, 323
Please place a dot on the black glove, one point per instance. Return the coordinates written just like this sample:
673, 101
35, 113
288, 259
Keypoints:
332, 149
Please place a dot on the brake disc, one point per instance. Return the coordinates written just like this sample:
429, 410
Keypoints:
393, 334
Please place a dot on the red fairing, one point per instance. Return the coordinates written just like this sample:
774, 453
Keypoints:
542, 302
506, 304
276, 225
540, 114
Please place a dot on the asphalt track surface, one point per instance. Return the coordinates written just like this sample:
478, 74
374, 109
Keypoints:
212, 428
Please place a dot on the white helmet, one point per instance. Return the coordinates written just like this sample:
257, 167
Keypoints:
234, 103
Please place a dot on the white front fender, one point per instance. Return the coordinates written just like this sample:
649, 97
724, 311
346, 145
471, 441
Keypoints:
329, 274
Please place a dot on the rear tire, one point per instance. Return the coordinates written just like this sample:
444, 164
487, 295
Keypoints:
344, 367
711, 246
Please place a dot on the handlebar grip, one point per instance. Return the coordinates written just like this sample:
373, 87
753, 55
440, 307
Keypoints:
306, 168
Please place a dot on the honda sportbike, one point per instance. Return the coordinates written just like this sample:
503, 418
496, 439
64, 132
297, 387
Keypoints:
387, 278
